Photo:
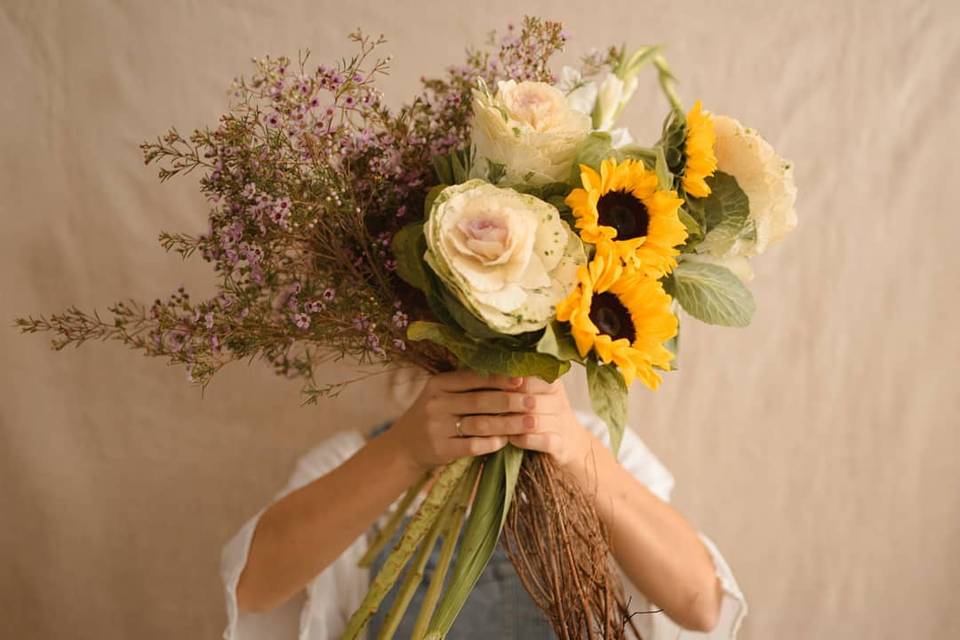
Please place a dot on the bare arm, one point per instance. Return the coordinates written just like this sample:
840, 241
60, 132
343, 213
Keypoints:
301, 534
652, 542
305, 531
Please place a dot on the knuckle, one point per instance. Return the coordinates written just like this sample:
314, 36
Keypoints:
526, 402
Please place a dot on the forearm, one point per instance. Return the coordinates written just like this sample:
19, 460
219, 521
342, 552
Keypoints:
304, 532
654, 545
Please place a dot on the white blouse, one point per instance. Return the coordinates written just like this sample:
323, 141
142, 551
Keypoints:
322, 610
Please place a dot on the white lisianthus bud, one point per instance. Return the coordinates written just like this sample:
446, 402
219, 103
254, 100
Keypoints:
529, 129
581, 95
613, 94
508, 257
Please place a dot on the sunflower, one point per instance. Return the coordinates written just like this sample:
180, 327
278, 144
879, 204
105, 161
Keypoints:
624, 204
624, 318
701, 161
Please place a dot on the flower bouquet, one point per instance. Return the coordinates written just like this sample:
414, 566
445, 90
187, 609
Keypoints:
499, 222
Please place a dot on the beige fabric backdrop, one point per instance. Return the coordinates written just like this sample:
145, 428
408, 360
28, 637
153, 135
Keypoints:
818, 447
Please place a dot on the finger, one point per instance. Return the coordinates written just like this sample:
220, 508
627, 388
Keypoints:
476, 446
487, 402
545, 441
498, 425
533, 384
466, 380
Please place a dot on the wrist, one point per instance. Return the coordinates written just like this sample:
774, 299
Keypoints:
587, 457
396, 455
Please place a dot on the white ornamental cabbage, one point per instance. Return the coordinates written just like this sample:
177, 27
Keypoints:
766, 179
508, 257
530, 129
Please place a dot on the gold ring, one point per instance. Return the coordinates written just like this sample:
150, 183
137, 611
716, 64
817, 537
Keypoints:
459, 427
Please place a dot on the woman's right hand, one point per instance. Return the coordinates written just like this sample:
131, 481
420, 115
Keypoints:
427, 432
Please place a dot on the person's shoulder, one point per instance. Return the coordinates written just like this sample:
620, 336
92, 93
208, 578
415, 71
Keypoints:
333, 450
326, 456
634, 455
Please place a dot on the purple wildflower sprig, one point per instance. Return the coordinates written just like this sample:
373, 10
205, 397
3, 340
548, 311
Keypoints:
308, 177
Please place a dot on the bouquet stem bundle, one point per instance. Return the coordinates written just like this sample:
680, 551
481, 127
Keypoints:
561, 552
421, 527
552, 534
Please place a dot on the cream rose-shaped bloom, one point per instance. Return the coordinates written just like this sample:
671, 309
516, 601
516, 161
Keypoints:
508, 257
530, 129
766, 179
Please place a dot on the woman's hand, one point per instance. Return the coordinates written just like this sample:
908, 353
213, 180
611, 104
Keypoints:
436, 429
491, 411
553, 427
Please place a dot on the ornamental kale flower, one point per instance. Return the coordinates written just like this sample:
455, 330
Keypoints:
507, 256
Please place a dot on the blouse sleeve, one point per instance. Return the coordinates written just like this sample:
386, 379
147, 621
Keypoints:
647, 468
309, 614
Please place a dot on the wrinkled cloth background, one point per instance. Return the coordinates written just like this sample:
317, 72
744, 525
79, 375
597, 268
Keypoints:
818, 447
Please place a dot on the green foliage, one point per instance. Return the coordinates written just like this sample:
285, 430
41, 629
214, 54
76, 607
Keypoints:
646, 155
431, 197
625, 66
694, 230
487, 356
664, 176
470, 323
495, 171
597, 147
409, 245
608, 396
550, 192
454, 168
672, 141
480, 536
557, 342
725, 214
711, 293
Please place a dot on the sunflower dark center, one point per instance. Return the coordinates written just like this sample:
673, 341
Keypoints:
624, 212
611, 317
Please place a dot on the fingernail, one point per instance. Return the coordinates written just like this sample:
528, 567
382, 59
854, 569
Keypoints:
529, 402
529, 422
516, 382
